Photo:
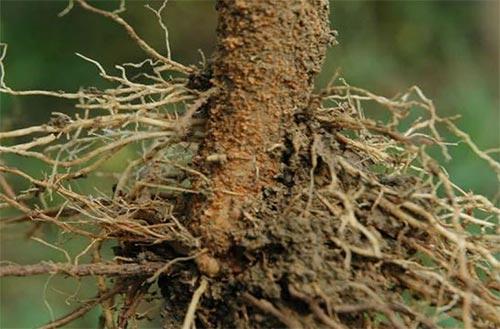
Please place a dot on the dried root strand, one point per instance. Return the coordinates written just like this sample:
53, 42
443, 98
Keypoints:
82, 310
105, 269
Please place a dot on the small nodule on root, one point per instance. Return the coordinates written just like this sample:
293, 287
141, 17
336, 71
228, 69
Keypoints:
207, 265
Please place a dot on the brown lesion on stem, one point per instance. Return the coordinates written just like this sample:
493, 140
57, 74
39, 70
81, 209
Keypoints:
264, 67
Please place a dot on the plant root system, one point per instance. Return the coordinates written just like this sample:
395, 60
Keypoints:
356, 225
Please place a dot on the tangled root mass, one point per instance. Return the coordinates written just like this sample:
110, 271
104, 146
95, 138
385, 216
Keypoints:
362, 228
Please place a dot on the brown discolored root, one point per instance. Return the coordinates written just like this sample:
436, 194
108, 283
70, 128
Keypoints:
263, 69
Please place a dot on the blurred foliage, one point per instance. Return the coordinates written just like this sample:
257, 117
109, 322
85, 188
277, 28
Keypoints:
450, 49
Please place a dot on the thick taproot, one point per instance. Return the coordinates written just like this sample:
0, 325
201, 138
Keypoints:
268, 53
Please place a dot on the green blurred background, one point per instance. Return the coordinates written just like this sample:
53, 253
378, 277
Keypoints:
449, 48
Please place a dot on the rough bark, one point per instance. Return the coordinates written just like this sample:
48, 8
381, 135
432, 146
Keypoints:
267, 55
